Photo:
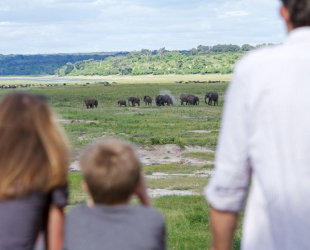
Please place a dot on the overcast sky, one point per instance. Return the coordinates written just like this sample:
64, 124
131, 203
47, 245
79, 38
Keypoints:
68, 26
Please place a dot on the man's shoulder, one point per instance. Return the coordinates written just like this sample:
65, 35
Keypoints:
259, 56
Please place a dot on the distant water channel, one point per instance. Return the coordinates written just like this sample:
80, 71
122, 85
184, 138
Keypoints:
45, 79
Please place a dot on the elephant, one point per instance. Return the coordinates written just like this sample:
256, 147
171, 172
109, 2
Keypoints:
193, 100
162, 99
122, 103
213, 96
196, 100
90, 102
148, 100
134, 100
184, 98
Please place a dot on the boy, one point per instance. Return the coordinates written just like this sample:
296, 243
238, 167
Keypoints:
112, 174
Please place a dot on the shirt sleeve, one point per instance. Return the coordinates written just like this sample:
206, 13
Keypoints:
228, 187
59, 196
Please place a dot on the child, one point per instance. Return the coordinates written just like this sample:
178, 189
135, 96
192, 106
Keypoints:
112, 174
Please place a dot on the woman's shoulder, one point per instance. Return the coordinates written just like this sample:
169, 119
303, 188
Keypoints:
59, 196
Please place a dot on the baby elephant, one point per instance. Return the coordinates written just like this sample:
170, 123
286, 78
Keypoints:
90, 102
148, 100
122, 103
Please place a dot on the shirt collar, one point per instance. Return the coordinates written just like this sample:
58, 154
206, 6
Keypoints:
299, 35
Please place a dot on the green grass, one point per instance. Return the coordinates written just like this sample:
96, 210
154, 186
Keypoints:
187, 217
144, 125
76, 194
200, 155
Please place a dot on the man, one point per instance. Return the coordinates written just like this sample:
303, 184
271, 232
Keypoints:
265, 140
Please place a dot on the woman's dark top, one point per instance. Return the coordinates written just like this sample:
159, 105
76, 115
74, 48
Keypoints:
22, 219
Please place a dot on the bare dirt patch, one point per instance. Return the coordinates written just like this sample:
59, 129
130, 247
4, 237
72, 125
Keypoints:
74, 166
165, 154
200, 174
203, 131
65, 121
164, 192
195, 117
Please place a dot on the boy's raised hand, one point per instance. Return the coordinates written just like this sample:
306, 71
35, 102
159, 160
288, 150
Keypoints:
141, 191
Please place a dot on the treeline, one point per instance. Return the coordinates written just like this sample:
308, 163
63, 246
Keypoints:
144, 62
45, 64
218, 59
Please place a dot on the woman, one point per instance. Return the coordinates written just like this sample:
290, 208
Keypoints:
34, 156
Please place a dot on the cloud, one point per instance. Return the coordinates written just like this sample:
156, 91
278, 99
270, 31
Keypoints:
65, 26
238, 13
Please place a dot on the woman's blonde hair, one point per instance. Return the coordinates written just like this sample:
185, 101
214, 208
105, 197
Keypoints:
34, 152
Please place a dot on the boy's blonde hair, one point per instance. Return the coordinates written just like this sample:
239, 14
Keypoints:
34, 152
111, 170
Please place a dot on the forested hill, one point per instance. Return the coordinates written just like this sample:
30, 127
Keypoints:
219, 59
201, 60
45, 64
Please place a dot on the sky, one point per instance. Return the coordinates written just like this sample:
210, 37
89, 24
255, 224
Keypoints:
73, 26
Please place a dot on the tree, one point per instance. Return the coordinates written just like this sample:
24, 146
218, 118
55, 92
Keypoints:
203, 49
246, 47
134, 56
193, 51
146, 53
225, 48
260, 45
123, 68
69, 68
161, 52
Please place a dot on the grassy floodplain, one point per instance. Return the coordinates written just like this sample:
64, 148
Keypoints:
187, 216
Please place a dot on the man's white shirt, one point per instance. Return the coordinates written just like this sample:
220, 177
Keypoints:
265, 140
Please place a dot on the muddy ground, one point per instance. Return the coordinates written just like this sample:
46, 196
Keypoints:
165, 154
160, 155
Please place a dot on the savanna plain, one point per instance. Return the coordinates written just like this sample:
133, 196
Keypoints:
175, 143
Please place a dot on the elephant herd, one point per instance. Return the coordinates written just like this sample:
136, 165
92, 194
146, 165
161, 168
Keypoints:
160, 100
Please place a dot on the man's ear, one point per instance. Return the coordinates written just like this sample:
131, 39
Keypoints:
286, 17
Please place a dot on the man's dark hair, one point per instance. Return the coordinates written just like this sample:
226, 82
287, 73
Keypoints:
300, 12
